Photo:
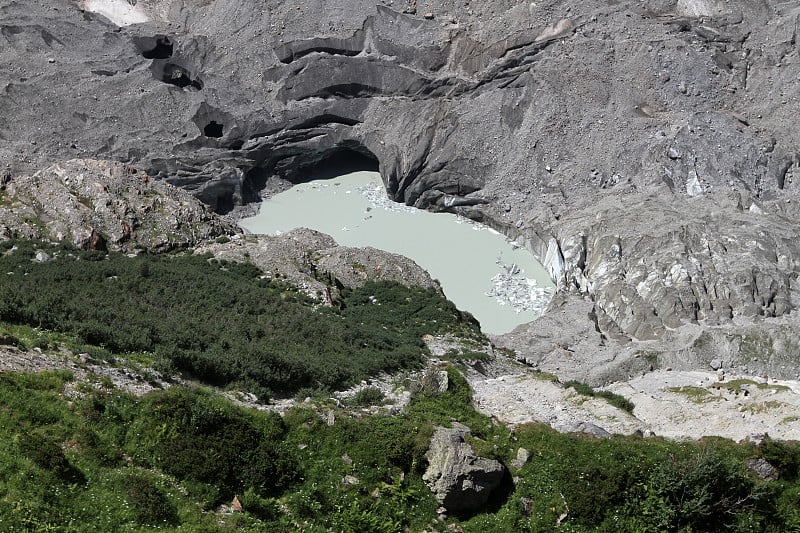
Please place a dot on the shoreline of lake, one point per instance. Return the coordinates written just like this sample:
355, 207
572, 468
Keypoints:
497, 281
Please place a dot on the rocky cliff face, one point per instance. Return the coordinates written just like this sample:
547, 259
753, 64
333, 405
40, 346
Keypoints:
104, 204
645, 151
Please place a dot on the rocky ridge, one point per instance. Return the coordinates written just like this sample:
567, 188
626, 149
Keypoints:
674, 404
305, 257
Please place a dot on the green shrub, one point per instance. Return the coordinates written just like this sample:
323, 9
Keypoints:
46, 452
151, 505
367, 396
198, 437
103, 452
264, 508
785, 456
229, 327
581, 388
705, 491
618, 401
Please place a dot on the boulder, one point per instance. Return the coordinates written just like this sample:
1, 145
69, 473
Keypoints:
521, 459
459, 479
763, 469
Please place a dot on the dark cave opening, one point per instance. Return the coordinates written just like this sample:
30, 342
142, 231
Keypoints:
305, 167
213, 129
342, 161
224, 204
161, 50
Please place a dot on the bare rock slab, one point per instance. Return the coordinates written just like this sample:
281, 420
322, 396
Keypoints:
459, 479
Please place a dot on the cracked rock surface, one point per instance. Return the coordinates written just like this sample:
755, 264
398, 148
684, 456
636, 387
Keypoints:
459, 479
105, 204
308, 258
645, 152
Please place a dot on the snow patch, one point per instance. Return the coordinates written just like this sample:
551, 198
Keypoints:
119, 12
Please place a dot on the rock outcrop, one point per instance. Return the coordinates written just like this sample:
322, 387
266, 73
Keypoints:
316, 264
460, 480
104, 204
646, 153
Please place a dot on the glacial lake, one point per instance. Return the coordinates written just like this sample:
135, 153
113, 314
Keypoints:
479, 269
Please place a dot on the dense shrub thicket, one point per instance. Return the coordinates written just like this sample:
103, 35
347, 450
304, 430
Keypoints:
109, 461
221, 321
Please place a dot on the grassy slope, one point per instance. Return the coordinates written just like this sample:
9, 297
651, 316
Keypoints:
108, 461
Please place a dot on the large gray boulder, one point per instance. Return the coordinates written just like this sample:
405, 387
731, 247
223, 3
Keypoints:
459, 479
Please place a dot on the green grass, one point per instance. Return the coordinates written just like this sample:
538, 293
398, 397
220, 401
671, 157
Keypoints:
736, 385
366, 397
695, 394
618, 401
544, 376
105, 460
112, 462
63, 472
27, 337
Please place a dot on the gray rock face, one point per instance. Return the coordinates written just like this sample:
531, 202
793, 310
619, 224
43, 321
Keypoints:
459, 479
646, 154
584, 427
763, 469
98, 204
521, 459
315, 263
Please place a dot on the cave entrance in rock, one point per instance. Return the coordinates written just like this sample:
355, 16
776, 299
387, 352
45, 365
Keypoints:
343, 195
276, 176
338, 163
